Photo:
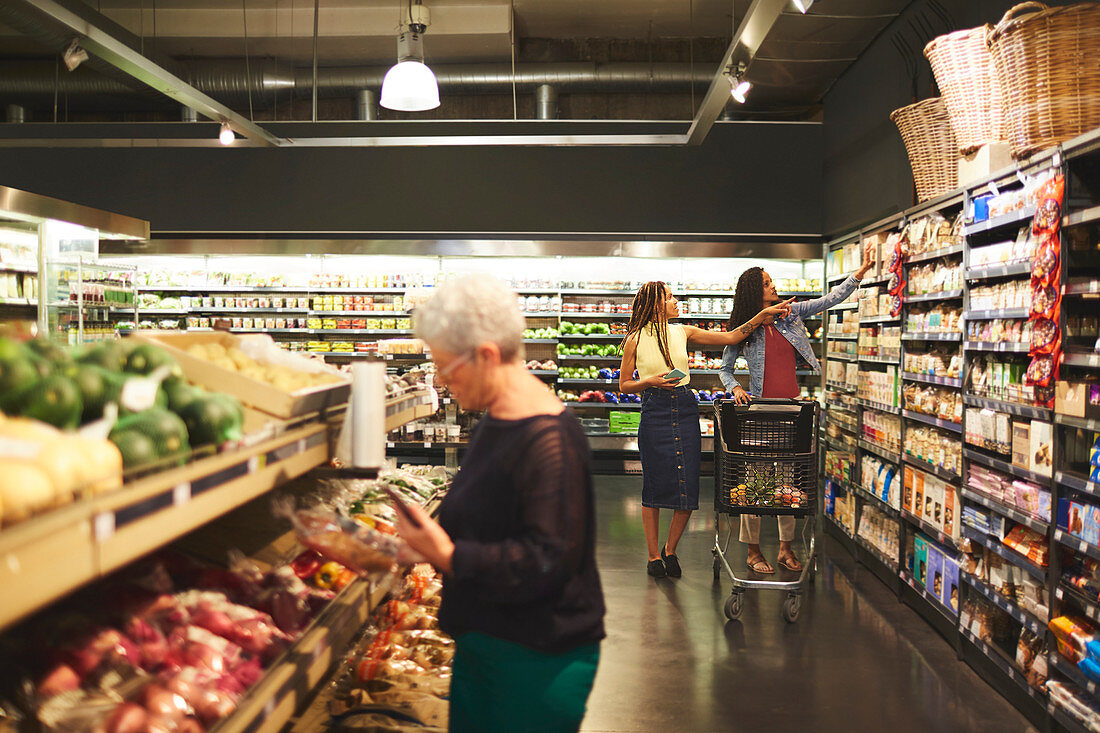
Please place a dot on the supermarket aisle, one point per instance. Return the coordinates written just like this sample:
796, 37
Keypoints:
856, 659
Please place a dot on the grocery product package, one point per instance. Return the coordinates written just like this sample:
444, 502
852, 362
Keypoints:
361, 548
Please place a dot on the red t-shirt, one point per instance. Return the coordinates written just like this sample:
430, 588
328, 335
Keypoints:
779, 366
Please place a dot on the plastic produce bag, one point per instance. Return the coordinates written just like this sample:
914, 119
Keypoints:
354, 545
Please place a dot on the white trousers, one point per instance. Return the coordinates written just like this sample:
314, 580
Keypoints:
750, 528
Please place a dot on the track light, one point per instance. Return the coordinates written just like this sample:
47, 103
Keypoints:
409, 85
226, 136
739, 85
803, 5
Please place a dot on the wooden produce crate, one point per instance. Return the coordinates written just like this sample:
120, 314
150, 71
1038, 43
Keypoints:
254, 393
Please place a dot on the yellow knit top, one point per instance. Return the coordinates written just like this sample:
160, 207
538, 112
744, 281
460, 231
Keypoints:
649, 360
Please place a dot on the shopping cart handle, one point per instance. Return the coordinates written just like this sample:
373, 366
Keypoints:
772, 401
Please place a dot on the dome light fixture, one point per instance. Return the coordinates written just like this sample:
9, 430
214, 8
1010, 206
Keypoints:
803, 5
225, 135
409, 85
739, 85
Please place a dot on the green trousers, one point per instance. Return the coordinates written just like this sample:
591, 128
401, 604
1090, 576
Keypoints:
502, 686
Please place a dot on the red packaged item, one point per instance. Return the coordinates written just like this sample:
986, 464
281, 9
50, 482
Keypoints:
1048, 212
1045, 348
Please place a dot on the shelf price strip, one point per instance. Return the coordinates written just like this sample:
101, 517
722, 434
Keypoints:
992, 504
1075, 543
1078, 483
936, 471
1020, 615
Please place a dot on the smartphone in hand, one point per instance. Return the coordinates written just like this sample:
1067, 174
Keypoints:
400, 506
676, 374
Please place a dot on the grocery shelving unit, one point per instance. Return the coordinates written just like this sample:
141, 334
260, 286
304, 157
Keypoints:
1078, 160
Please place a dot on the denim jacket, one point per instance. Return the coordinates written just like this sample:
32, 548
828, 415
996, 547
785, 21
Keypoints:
792, 328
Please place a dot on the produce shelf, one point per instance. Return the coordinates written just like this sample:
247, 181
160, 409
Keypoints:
569, 357
594, 380
931, 379
1076, 543
615, 406
1006, 552
543, 372
1023, 617
540, 341
932, 336
1077, 422
544, 314
1005, 667
589, 337
929, 420
1075, 675
1064, 592
1004, 466
928, 529
933, 297
1010, 347
880, 451
244, 310
289, 683
52, 554
1004, 220
1012, 408
1084, 216
992, 314
936, 254
1006, 511
876, 406
941, 473
987, 272
1077, 482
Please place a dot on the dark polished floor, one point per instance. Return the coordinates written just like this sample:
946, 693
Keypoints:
856, 660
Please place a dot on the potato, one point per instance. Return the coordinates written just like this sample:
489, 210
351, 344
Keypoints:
241, 359
225, 363
24, 489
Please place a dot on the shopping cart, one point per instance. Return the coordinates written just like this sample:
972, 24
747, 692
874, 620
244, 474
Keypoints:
765, 463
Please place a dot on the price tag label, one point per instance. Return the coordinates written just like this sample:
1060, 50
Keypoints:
1057, 159
389, 445
253, 464
181, 494
427, 444
103, 526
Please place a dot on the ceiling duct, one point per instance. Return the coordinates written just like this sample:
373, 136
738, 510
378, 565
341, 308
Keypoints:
229, 81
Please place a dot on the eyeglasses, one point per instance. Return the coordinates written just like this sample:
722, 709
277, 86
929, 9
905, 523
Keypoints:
447, 371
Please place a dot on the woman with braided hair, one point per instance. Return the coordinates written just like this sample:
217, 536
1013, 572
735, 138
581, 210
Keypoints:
668, 436
772, 345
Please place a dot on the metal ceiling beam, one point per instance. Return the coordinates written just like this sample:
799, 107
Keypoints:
90, 27
747, 39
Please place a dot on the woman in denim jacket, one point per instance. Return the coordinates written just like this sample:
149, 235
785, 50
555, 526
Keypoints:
772, 348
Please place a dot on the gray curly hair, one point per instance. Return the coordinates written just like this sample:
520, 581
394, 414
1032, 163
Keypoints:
471, 310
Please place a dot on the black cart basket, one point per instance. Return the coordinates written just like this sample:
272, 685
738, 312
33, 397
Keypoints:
765, 457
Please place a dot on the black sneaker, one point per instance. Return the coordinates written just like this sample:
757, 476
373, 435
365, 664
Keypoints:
656, 568
672, 564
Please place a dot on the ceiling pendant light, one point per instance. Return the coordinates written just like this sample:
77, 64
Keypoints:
225, 135
409, 85
803, 5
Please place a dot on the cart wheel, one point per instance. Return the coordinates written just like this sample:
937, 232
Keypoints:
717, 569
791, 607
734, 605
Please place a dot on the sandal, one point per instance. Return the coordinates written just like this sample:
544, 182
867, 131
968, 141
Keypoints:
790, 562
760, 566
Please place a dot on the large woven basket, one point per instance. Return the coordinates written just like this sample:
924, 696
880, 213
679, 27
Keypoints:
1048, 61
969, 86
930, 142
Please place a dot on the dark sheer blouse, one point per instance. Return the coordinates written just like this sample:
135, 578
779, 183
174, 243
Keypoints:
520, 513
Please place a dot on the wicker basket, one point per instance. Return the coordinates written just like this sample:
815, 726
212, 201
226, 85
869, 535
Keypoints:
933, 153
1046, 59
969, 86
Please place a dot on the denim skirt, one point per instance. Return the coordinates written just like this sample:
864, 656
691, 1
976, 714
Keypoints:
670, 444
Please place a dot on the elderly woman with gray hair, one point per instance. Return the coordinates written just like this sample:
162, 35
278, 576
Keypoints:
516, 533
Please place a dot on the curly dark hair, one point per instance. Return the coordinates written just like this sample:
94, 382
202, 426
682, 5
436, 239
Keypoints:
748, 298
